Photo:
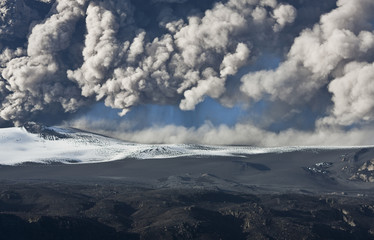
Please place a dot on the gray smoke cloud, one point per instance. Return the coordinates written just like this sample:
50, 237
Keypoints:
336, 52
33, 80
60, 57
15, 17
190, 61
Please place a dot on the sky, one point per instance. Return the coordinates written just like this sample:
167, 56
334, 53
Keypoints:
230, 72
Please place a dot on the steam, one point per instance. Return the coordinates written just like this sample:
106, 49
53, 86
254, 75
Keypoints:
124, 54
240, 134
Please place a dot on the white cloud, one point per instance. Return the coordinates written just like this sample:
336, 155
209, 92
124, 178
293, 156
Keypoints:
240, 134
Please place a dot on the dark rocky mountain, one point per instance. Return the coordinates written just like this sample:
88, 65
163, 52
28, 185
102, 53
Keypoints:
95, 211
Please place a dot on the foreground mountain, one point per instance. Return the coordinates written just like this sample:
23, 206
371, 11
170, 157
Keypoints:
302, 169
61, 183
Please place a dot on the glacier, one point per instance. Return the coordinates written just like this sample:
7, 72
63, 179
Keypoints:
21, 145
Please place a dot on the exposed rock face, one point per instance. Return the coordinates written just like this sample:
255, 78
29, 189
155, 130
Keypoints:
365, 173
43, 131
368, 166
33, 127
319, 168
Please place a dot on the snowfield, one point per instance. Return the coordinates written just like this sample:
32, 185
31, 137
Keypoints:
17, 145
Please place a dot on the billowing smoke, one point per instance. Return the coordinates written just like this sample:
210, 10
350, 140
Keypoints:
59, 58
336, 53
34, 80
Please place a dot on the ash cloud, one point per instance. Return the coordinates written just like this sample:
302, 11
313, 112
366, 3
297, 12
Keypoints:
60, 57
337, 53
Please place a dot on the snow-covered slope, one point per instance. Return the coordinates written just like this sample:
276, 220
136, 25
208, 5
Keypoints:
18, 146
36, 143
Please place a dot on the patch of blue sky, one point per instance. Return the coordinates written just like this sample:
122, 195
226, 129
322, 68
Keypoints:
304, 120
149, 115
209, 110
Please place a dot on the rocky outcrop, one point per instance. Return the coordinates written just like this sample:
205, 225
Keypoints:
43, 131
365, 173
